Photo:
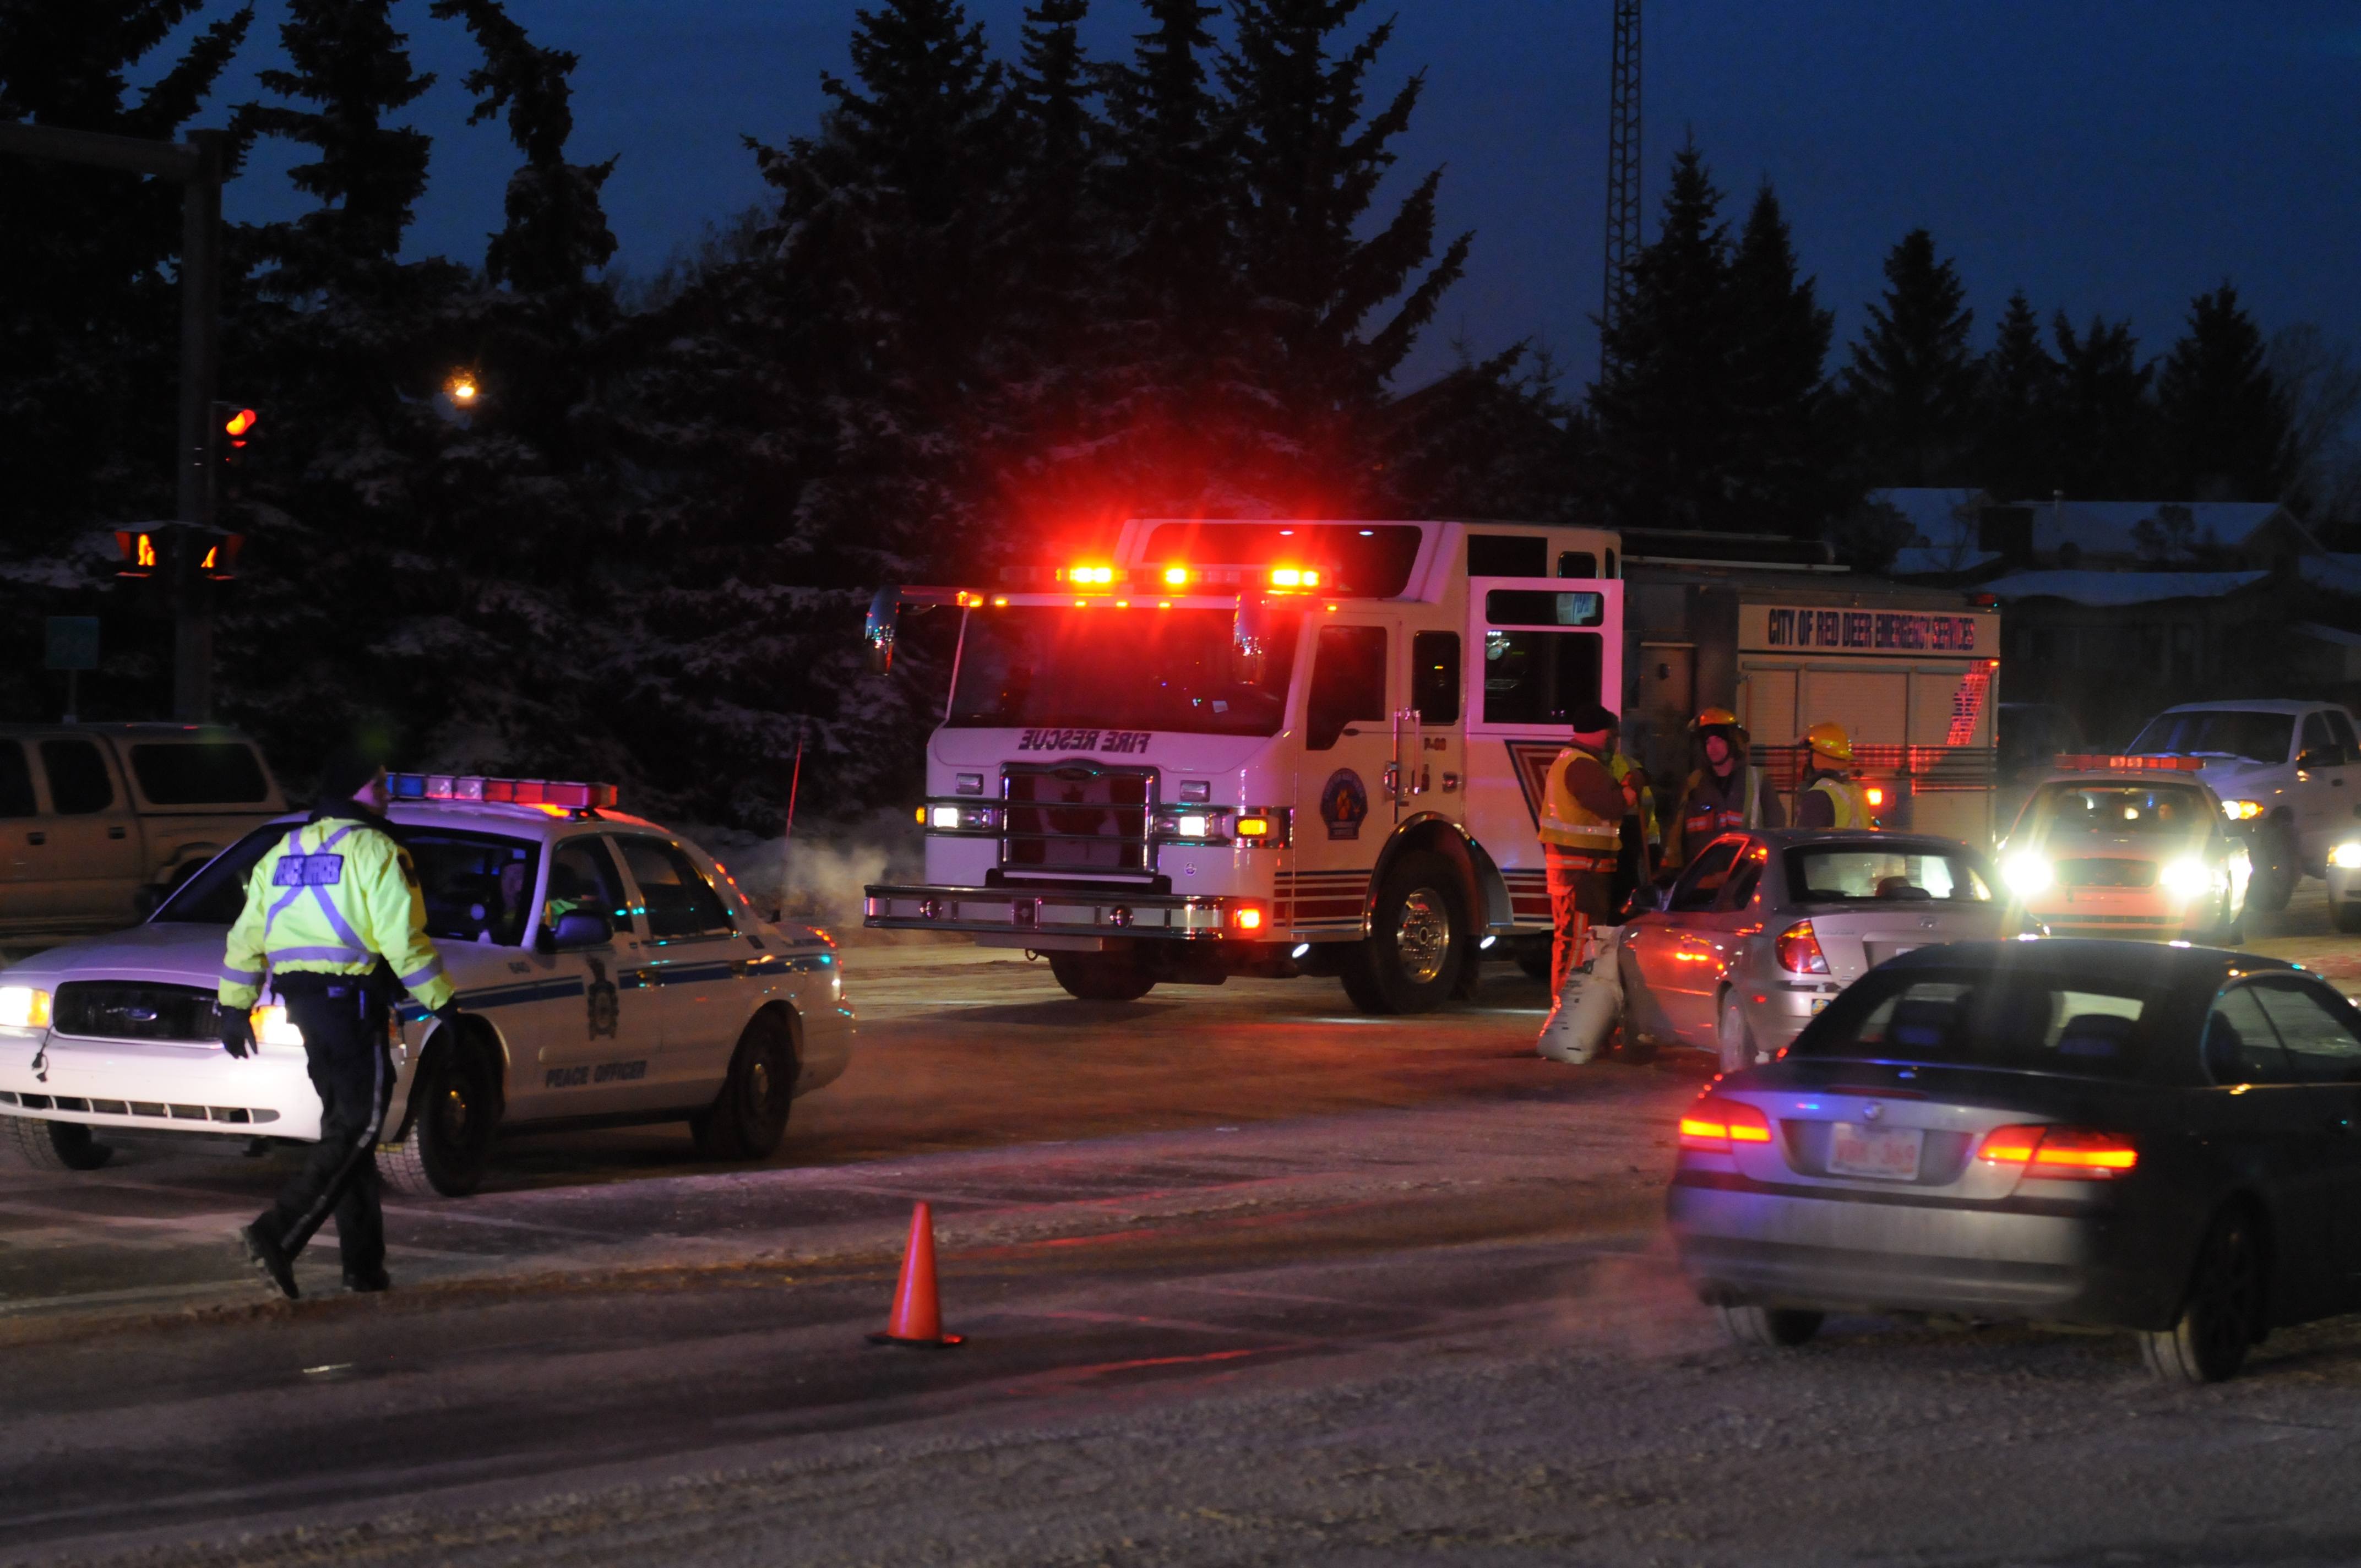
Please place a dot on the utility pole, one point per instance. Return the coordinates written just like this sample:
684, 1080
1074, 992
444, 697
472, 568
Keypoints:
1622, 172
196, 164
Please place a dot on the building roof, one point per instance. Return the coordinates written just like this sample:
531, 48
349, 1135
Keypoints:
2104, 589
2112, 528
2337, 572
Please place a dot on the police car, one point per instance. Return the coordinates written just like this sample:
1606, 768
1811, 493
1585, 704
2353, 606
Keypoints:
2128, 847
608, 971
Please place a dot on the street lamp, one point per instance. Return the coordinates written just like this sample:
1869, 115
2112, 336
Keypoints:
462, 387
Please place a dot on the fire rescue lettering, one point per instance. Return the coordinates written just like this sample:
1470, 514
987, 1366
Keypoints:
1103, 740
1887, 630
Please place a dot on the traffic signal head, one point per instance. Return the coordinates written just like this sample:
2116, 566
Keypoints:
137, 552
219, 562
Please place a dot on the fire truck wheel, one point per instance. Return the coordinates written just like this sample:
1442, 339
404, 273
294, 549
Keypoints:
1418, 940
1102, 977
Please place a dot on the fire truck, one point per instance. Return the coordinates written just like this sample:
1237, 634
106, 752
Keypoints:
1260, 747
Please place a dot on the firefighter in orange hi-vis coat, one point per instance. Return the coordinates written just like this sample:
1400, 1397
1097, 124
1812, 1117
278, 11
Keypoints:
1583, 808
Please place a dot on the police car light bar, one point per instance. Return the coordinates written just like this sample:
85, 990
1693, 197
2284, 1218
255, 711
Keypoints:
471, 787
2078, 764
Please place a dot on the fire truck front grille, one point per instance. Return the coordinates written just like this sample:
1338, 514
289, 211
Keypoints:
1078, 817
2106, 871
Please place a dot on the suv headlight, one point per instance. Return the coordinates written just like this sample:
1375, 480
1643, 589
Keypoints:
2346, 856
24, 1007
2242, 810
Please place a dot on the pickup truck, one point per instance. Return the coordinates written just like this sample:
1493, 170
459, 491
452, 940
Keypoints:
99, 821
2290, 771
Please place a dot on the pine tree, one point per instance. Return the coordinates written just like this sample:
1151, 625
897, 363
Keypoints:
1778, 387
1309, 166
2104, 424
2224, 421
1490, 438
2016, 453
89, 342
353, 606
1912, 384
1663, 405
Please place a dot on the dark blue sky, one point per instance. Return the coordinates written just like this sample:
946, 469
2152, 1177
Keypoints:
2116, 157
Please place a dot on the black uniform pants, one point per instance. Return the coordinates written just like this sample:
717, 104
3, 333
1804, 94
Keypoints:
344, 1023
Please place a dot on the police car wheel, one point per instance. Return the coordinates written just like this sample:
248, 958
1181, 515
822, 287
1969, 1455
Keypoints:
1102, 977
1418, 940
748, 1117
35, 1143
454, 1117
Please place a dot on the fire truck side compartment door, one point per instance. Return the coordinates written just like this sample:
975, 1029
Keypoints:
1537, 648
1342, 810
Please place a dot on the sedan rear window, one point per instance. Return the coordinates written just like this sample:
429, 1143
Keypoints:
1844, 874
1994, 1018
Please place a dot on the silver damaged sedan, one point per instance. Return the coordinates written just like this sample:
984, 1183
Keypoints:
1763, 929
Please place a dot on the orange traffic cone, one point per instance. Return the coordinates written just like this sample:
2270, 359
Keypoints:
917, 1317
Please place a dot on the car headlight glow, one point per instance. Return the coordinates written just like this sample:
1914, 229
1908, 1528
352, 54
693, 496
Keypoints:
2026, 873
24, 1007
2346, 856
2242, 810
2188, 878
945, 816
273, 1027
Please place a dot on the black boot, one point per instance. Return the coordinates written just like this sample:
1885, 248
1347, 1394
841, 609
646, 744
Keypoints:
266, 1256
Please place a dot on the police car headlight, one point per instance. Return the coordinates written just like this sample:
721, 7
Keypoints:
273, 1027
2026, 873
2346, 856
24, 1007
2186, 878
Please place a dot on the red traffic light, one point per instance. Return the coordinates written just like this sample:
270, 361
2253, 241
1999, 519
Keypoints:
138, 552
240, 424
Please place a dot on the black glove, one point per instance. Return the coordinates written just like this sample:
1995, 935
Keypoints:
237, 1034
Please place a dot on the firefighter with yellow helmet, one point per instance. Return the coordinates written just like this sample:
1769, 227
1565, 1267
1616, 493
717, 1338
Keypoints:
1827, 795
335, 915
1724, 793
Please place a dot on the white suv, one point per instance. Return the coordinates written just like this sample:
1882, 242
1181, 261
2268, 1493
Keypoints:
2290, 772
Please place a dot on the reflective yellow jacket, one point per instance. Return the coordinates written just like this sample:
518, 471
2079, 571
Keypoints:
1582, 806
1846, 802
330, 898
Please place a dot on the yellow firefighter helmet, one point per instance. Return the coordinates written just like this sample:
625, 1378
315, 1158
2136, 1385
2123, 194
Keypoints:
1830, 740
1713, 719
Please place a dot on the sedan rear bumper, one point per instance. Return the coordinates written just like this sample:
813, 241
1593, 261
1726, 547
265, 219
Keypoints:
1739, 1242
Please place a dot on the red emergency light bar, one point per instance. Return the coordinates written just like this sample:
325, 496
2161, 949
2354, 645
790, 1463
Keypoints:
473, 787
2080, 763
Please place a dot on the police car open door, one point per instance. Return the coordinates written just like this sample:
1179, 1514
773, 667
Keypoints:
1538, 647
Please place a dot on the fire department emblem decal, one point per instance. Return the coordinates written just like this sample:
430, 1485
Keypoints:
605, 1013
1344, 801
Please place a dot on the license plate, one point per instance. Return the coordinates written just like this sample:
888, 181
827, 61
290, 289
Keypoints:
1819, 1002
1888, 1154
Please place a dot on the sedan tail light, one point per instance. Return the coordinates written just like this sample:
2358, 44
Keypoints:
1715, 1123
1799, 950
2060, 1154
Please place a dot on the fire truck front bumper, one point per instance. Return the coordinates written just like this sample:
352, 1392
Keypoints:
1052, 918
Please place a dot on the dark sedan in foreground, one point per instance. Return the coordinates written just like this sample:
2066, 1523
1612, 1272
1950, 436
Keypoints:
2161, 1139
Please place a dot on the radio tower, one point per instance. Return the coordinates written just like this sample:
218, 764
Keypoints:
1622, 173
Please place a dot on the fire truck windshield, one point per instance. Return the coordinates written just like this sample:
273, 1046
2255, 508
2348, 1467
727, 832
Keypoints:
1050, 666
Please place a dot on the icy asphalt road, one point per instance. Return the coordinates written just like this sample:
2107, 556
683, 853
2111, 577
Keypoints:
1247, 1280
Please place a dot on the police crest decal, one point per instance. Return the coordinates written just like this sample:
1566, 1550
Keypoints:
606, 1014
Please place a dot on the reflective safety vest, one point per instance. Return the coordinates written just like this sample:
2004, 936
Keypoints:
1844, 796
1569, 824
331, 898
1622, 767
